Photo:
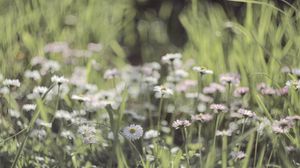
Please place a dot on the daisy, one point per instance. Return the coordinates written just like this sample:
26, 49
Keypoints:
171, 58
202, 117
181, 123
59, 79
240, 91
29, 107
162, 91
11, 82
111, 73
80, 98
151, 134
230, 78
224, 133
202, 70
133, 132
218, 108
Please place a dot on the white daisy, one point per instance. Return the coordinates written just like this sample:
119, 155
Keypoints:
162, 91
133, 132
11, 82
59, 79
181, 123
151, 134
202, 70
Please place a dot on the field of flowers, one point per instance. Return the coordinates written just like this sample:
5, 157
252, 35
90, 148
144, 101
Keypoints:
128, 83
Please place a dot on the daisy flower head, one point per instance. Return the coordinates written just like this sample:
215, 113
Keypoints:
133, 132
240, 91
29, 107
111, 73
247, 113
230, 78
171, 58
39, 90
293, 83
181, 124
219, 108
80, 98
282, 126
224, 133
162, 91
59, 79
12, 82
202, 70
202, 117
151, 134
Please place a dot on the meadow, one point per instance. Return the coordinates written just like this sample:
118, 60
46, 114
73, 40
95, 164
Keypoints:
153, 84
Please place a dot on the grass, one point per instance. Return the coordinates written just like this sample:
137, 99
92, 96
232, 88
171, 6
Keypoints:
88, 131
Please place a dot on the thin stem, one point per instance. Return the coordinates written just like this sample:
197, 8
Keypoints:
185, 137
18, 133
217, 124
199, 142
255, 150
137, 151
224, 151
160, 112
270, 157
57, 102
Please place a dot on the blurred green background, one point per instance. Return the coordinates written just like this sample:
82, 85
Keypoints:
243, 35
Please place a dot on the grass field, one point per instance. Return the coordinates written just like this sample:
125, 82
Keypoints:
212, 88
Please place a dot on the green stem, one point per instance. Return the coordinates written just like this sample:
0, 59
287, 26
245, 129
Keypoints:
224, 151
199, 142
137, 151
216, 128
160, 112
185, 137
255, 150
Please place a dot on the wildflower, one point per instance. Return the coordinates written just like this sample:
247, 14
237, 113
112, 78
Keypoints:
11, 82
133, 132
14, 113
185, 85
282, 126
80, 98
39, 90
202, 70
171, 58
246, 113
268, 91
282, 91
151, 80
202, 117
224, 133
230, 78
162, 91
29, 107
265, 122
180, 124
63, 114
240, 91
151, 134
293, 83
56, 47
111, 73
218, 108
213, 88
35, 75
59, 79
88, 133
237, 155
49, 66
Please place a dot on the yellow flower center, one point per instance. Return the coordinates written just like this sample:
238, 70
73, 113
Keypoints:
132, 130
